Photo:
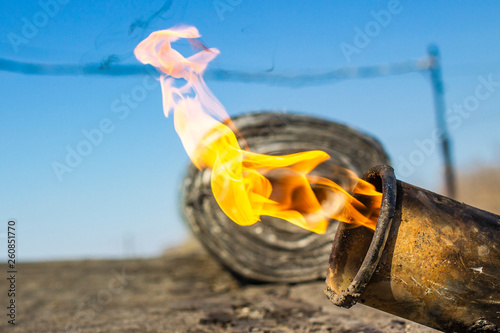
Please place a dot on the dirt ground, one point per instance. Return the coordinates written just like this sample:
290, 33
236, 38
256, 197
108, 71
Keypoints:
183, 291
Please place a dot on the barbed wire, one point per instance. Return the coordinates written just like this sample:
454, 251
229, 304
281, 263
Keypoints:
270, 77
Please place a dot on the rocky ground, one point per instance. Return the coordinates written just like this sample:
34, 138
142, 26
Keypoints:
183, 291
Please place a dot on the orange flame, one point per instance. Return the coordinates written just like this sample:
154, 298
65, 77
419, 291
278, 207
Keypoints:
247, 185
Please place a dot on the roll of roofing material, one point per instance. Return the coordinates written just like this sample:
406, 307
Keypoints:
274, 250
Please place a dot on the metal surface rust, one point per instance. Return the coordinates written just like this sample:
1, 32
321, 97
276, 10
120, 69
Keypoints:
439, 265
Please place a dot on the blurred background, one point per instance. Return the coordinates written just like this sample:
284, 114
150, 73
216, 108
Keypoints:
91, 168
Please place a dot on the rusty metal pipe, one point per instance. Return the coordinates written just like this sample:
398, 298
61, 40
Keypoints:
431, 260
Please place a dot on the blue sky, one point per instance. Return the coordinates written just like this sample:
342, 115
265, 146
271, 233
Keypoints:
125, 191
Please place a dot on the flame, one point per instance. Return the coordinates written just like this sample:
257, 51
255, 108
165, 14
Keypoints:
245, 184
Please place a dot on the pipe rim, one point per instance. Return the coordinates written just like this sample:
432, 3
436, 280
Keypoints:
388, 182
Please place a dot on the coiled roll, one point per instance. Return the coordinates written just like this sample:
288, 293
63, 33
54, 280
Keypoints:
274, 250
